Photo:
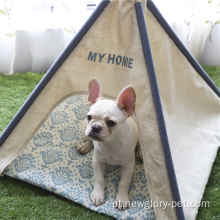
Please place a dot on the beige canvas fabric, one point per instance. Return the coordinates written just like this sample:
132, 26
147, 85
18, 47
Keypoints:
192, 115
191, 108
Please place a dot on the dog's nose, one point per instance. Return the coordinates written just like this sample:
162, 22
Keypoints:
96, 128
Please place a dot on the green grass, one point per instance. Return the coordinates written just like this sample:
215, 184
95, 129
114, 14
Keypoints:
14, 90
19, 200
214, 73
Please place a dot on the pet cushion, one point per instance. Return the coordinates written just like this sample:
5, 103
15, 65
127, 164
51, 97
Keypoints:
50, 160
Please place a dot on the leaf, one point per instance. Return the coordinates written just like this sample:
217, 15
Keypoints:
3, 12
207, 21
10, 34
64, 5
68, 30
217, 22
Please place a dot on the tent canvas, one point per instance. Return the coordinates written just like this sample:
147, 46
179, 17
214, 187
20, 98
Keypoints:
177, 112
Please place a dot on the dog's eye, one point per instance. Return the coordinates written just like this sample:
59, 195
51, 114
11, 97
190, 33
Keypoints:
89, 117
111, 123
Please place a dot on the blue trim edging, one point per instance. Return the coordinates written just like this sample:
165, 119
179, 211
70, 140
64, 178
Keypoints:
158, 108
151, 6
53, 69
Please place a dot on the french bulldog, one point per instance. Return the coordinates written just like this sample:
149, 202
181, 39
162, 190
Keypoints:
114, 136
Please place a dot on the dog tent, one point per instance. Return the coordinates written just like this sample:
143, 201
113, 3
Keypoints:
177, 114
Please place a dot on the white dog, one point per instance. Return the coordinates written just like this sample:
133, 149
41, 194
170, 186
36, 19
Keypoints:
114, 136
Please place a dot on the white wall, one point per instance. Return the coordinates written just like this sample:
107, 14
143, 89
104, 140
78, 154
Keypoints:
34, 33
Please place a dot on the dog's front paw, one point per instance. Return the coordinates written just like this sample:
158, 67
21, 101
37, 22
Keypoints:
97, 197
85, 148
122, 202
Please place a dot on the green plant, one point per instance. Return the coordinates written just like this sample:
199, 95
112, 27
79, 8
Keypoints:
6, 12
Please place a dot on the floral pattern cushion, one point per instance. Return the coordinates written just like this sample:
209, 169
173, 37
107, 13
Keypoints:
51, 161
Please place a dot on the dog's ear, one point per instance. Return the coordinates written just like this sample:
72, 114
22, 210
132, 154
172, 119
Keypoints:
95, 91
126, 100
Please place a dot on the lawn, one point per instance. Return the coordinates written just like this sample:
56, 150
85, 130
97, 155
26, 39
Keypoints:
19, 200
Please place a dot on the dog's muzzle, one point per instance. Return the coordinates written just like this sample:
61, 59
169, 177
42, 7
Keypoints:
95, 131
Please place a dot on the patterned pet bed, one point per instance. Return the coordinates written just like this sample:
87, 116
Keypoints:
50, 160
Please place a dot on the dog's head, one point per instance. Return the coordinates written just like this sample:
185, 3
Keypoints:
106, 117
